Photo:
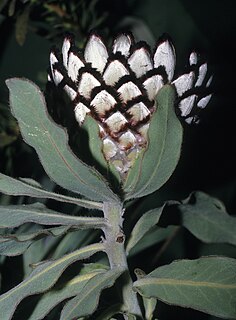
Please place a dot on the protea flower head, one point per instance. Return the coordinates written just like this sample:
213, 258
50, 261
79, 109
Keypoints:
118, 86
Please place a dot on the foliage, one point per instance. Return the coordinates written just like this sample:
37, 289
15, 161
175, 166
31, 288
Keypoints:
64, 252
205, 218
58, 17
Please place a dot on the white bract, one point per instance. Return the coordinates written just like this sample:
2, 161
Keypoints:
118, 87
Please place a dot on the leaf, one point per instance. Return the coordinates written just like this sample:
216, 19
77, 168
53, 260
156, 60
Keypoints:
149, 306
129, 316
207, 284
11, 8
148, 303
206, 218
156, 164
86, 302
16, 244
73, 241
95, 143
43, 277
153, 236
144, 224
30, 187
109, 312
54, 297
39, 250
22, 25
14, 215
13, 248
51, 143
95, 146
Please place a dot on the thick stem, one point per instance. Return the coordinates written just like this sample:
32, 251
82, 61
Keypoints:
114, 242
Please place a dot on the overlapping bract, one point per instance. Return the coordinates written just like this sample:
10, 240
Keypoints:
118, 87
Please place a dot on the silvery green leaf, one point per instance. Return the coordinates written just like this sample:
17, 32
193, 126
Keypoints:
154, 235
15, 215
207, 284
143, 226
86, 301
13, 244
149, 306
95, 146
156, 164
43, 277
51, 143
73, 240
72, 288
207, 219
30, 187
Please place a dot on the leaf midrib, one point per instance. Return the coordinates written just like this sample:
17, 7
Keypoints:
179, 282
43, 103
96, 247
159, 159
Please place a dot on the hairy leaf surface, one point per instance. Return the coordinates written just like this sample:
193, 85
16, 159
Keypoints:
51, 143
43, 277
157, 163
14, 215
30, 187
54, 297
86, 302
207, 284
206, 218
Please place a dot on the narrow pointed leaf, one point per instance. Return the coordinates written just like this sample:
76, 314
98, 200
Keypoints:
148, 303
54, 297
144, 224
30, 187
157, 163
72, 241
51, 143
95, 146
43, 277
37, 232
204, 216
95, 143
149, 306
153, 236
18, 243
86, 302
207, 284
15, 215
11, 248
21, 25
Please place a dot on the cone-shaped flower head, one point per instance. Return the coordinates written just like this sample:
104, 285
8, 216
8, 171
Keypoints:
118, 86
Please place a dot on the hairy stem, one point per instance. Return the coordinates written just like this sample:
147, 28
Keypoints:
114, 242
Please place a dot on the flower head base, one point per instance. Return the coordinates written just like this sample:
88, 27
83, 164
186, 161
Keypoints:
118, 88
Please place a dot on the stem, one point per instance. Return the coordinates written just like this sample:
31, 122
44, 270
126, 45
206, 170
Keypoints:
114, 243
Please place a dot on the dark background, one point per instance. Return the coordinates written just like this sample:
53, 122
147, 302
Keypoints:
208, 156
